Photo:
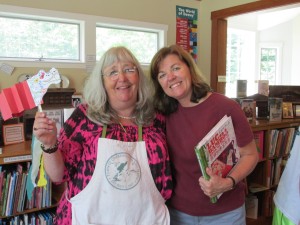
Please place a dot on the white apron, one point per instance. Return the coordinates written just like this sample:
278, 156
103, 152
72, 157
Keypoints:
121, 190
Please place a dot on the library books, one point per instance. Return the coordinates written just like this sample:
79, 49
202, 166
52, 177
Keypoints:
241, 88
251, 206
249, 108
37, 218
259, 140
275, 109
287, 110
281, 141
13, 194
218, 150
263, 87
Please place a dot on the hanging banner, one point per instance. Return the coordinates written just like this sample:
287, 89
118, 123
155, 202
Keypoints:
186, 29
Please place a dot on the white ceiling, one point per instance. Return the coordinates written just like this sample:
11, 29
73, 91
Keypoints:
262, 20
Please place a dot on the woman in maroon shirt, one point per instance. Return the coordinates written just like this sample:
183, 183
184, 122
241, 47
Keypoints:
192, 109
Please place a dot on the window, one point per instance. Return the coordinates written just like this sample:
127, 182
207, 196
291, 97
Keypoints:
39, 39
270, 62
33, 37
240, 64
143, 43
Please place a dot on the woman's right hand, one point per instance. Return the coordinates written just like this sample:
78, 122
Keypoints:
45, 129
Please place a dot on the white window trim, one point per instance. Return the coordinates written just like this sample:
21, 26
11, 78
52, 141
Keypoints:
278, 46
87, 27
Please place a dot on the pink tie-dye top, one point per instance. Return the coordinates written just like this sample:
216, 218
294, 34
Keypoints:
79, 141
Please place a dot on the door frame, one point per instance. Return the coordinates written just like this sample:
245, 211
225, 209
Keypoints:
219, 36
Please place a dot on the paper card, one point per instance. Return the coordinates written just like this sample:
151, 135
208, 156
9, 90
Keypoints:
57, 116
13, 133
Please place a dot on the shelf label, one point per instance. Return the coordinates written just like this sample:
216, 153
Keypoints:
17, 158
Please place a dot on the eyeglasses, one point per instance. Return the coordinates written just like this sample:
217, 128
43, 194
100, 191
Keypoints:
114, 74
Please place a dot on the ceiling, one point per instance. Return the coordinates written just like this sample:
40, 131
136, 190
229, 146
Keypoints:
262, 20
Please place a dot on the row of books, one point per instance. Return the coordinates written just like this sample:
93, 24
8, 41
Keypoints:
259, 137
275, 169
281, 141
268, 203
263, 201
40, 218
13, 195
276, 109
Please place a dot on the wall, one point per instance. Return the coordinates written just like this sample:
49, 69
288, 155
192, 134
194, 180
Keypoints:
154, 11
295, 70
286, 34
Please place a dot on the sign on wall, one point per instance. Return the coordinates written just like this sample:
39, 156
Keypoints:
186, 29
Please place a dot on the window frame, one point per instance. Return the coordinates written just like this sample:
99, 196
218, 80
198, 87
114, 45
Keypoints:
113, 23
278, 46
44, 19
87, 37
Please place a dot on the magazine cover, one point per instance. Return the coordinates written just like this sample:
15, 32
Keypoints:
263, 87
248, 106
275, 109
218, 149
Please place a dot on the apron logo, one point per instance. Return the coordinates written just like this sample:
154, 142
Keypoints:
122, 171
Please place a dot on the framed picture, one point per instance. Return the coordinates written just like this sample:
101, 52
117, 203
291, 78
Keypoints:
13, 133
287, 110
297, 110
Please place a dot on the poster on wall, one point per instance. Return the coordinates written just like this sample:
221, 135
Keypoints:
186, 29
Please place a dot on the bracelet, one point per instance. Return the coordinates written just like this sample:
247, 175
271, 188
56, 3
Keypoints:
51, 149
233, 181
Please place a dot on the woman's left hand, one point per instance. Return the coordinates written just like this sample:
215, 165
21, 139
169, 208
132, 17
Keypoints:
215, 185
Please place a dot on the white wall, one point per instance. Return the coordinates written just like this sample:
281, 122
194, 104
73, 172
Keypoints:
288, 35
295, 70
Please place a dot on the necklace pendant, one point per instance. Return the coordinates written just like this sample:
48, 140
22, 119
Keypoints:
126, 117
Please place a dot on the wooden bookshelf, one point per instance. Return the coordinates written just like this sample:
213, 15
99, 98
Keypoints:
264, 172
20, 153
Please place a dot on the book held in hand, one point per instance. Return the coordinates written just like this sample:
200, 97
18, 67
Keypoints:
218, 150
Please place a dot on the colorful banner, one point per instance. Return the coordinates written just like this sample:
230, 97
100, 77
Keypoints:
186, 29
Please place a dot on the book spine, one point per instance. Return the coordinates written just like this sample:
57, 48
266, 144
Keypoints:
203, 165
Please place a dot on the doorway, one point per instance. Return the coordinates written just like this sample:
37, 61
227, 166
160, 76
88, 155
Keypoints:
219, 36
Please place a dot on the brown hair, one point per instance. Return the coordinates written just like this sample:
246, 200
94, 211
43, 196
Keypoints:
164, 103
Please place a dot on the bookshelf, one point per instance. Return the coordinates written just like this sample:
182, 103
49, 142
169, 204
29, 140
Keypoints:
263, 181
45, 200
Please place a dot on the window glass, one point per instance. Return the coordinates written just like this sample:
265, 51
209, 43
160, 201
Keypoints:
240, 64
268, 65
143, 44
39, 39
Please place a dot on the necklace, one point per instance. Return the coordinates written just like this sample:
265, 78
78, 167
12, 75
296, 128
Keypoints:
122, 127
126, 117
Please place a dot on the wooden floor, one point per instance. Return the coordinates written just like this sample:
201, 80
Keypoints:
260, 221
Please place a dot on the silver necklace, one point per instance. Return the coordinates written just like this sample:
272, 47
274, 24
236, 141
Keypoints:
126, 117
